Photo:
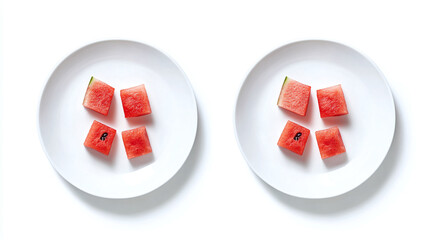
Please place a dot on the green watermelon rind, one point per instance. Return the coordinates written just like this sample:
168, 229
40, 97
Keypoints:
280, 95
90, 81
89, 85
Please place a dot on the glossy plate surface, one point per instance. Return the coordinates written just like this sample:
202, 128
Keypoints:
64, 122
367, 130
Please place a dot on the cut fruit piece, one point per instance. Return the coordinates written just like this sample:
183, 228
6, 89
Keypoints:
330, 142
294, 137
136, 142
331, 101
100, 137
135, 101
294, 96
98, 96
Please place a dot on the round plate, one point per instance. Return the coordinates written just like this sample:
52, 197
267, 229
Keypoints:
64, 122
367, 130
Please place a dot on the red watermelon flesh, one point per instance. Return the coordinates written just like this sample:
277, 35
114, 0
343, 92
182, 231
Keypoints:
294, 96
331, 101
330, 142
100, 137
294, 137
98, 96
135, 101
136, 142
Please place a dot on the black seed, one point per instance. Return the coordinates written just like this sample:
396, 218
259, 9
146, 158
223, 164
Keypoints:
103, 137
296, 138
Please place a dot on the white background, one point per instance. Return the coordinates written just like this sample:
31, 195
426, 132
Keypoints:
215, 195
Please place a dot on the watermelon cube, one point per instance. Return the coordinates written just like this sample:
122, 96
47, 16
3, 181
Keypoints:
135, 101
136, 142
294, 137
100, 137
330, 142
331, 101
294, 96
98, 96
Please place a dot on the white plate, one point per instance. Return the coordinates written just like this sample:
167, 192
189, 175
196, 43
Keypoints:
367, 130
64, 122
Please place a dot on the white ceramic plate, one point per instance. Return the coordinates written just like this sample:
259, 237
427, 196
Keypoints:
64, 122
367, 130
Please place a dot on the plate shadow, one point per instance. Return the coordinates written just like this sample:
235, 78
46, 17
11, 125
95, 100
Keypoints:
142, 161
100, 157
336, 161
340, 121
146, 120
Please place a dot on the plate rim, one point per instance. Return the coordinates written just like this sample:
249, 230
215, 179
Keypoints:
297, 41
115, 40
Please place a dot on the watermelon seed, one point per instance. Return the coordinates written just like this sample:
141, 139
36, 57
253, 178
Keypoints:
296, 138
103, 137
